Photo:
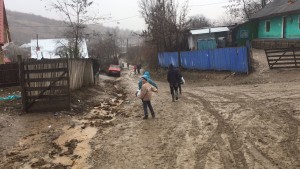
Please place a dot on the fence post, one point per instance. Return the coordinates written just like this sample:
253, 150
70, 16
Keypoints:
179, 60
249, 56
68, 84
294, 55
22, 83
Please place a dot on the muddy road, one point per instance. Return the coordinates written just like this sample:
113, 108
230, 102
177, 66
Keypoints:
243, 126
221, 120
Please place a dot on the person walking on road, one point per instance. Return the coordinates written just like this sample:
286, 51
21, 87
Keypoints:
134, 69
146, 95
173, 79
139, 67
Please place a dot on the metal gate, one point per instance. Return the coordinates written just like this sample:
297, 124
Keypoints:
45, 85
283, 58
9, 75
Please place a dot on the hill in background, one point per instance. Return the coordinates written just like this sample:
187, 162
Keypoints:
24, 27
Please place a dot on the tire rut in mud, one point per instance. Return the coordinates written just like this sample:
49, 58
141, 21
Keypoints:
235, 142
239, 142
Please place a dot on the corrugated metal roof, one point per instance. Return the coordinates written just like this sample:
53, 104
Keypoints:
199, 31
209, 30
48, 48
26, 45
278, 7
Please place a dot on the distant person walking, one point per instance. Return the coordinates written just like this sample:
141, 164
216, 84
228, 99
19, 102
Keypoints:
134, 69
173, 79
139, 67
146, 95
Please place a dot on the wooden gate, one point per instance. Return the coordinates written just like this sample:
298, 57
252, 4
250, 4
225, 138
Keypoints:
283, 58
9, 75
45, 85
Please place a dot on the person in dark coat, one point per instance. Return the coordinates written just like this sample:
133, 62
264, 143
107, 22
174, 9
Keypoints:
173, 79
139, 67
134, 69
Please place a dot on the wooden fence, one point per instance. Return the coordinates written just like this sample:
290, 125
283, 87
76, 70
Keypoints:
9, 75
46, 84
283, 58
81, 73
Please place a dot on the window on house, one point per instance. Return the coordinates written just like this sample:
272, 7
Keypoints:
268, 26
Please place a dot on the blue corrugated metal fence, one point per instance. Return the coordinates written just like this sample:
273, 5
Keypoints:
230, 59
167, 58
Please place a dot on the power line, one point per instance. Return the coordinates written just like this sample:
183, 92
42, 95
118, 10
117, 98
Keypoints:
69, 26
41, 26
121, 19
209, 4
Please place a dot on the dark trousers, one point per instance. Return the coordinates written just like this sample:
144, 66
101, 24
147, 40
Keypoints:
145, 105
179, 87
174, 88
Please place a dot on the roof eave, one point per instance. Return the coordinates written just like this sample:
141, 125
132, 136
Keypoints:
277, 14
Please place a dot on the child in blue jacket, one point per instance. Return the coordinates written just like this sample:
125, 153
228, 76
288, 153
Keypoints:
147, 75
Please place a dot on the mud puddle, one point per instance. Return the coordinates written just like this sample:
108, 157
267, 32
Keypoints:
63, 140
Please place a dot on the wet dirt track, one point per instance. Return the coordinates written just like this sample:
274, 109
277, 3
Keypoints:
252, 124
243, 126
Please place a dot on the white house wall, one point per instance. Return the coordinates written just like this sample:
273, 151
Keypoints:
48, 48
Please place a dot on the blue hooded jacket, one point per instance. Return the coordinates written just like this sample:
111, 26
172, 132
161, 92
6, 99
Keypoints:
147, 76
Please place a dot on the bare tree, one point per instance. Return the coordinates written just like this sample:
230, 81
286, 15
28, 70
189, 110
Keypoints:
12, 50
164, 23
227, 20
76, 15
104, 48
243, 9
199, 21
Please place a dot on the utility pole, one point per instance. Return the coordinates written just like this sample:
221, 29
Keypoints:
37, 42
263, 3
127, 49
163, 25
37, 45
127, 46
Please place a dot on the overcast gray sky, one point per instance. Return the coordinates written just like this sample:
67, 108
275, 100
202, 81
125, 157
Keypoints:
125, 13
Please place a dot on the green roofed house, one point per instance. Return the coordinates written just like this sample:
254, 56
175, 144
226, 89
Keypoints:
243, 32
278, 24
